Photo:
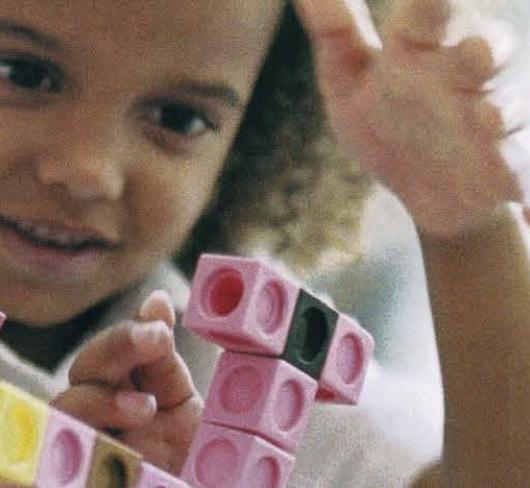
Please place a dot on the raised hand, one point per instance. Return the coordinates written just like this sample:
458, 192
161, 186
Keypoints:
130, 381
415, 113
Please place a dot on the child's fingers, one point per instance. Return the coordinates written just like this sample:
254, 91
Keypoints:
327, 19
490, 120
112, 355
474, 63
515, 152
102, 407
174, 432
418, 23
158, 307
168, 379
341, 50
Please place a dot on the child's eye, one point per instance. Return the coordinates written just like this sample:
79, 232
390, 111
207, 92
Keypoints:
30, 74
182, 119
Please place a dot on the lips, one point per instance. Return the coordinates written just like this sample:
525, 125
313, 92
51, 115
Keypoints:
58, 236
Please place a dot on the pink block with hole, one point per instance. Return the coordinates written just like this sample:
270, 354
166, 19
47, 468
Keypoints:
66, 453
153, 477
241, 304
225, 458
264, 396
349, 354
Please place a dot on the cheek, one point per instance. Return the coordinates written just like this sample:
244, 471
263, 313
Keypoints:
16, 135
164, 205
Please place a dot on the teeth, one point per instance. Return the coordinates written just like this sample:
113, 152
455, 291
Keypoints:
24, 227
42, 232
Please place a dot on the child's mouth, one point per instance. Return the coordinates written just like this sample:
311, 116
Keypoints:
42, 236
52, 254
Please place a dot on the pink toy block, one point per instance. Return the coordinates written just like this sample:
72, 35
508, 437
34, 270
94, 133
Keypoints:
224, 458
2, 318
343, 374
67, 453
241, 304
264, 396
152, 477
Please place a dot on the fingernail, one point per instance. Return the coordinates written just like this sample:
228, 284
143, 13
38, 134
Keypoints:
150, 335
158, 303
136, 403
155, 297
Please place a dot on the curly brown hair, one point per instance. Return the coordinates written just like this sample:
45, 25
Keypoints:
286, 187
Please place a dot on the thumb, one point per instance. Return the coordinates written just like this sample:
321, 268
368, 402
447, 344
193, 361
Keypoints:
343, 38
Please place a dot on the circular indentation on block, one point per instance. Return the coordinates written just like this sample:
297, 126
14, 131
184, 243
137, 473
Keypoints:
65, 456
266, 473
21, 430
216, 463
289, 405
223, 292
113, 473
241, 390
270, 307
348, 358
314, 333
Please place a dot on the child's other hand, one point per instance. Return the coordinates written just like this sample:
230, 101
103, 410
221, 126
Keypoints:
129, 380
414, 112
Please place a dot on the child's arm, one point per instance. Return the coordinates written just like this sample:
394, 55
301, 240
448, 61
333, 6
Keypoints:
480, 294
130, 380
415, 115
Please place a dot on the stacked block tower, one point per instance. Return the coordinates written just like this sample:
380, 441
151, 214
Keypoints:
284, 350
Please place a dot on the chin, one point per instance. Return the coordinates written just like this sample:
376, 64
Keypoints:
39, 314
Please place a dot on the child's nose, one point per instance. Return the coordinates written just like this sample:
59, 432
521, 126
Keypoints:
94, 179
86, 163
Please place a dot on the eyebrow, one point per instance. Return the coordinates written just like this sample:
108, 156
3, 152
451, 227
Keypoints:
24, 32
219, 91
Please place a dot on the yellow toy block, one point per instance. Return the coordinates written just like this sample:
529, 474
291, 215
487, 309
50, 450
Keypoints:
23, 421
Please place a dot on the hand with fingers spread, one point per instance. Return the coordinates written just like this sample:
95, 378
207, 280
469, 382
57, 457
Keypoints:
130, 380
414, 112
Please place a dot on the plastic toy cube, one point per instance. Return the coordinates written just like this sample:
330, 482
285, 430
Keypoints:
349, 354
224, 458
265, 396
66, 453
113, 465
241, 304
153, 477
23, 421
312, 329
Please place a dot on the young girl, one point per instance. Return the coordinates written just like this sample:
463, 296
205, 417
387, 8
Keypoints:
134, 131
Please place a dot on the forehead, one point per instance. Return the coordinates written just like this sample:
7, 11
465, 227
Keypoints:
212, 32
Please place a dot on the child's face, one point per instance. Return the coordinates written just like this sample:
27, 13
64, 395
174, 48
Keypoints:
115, 119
